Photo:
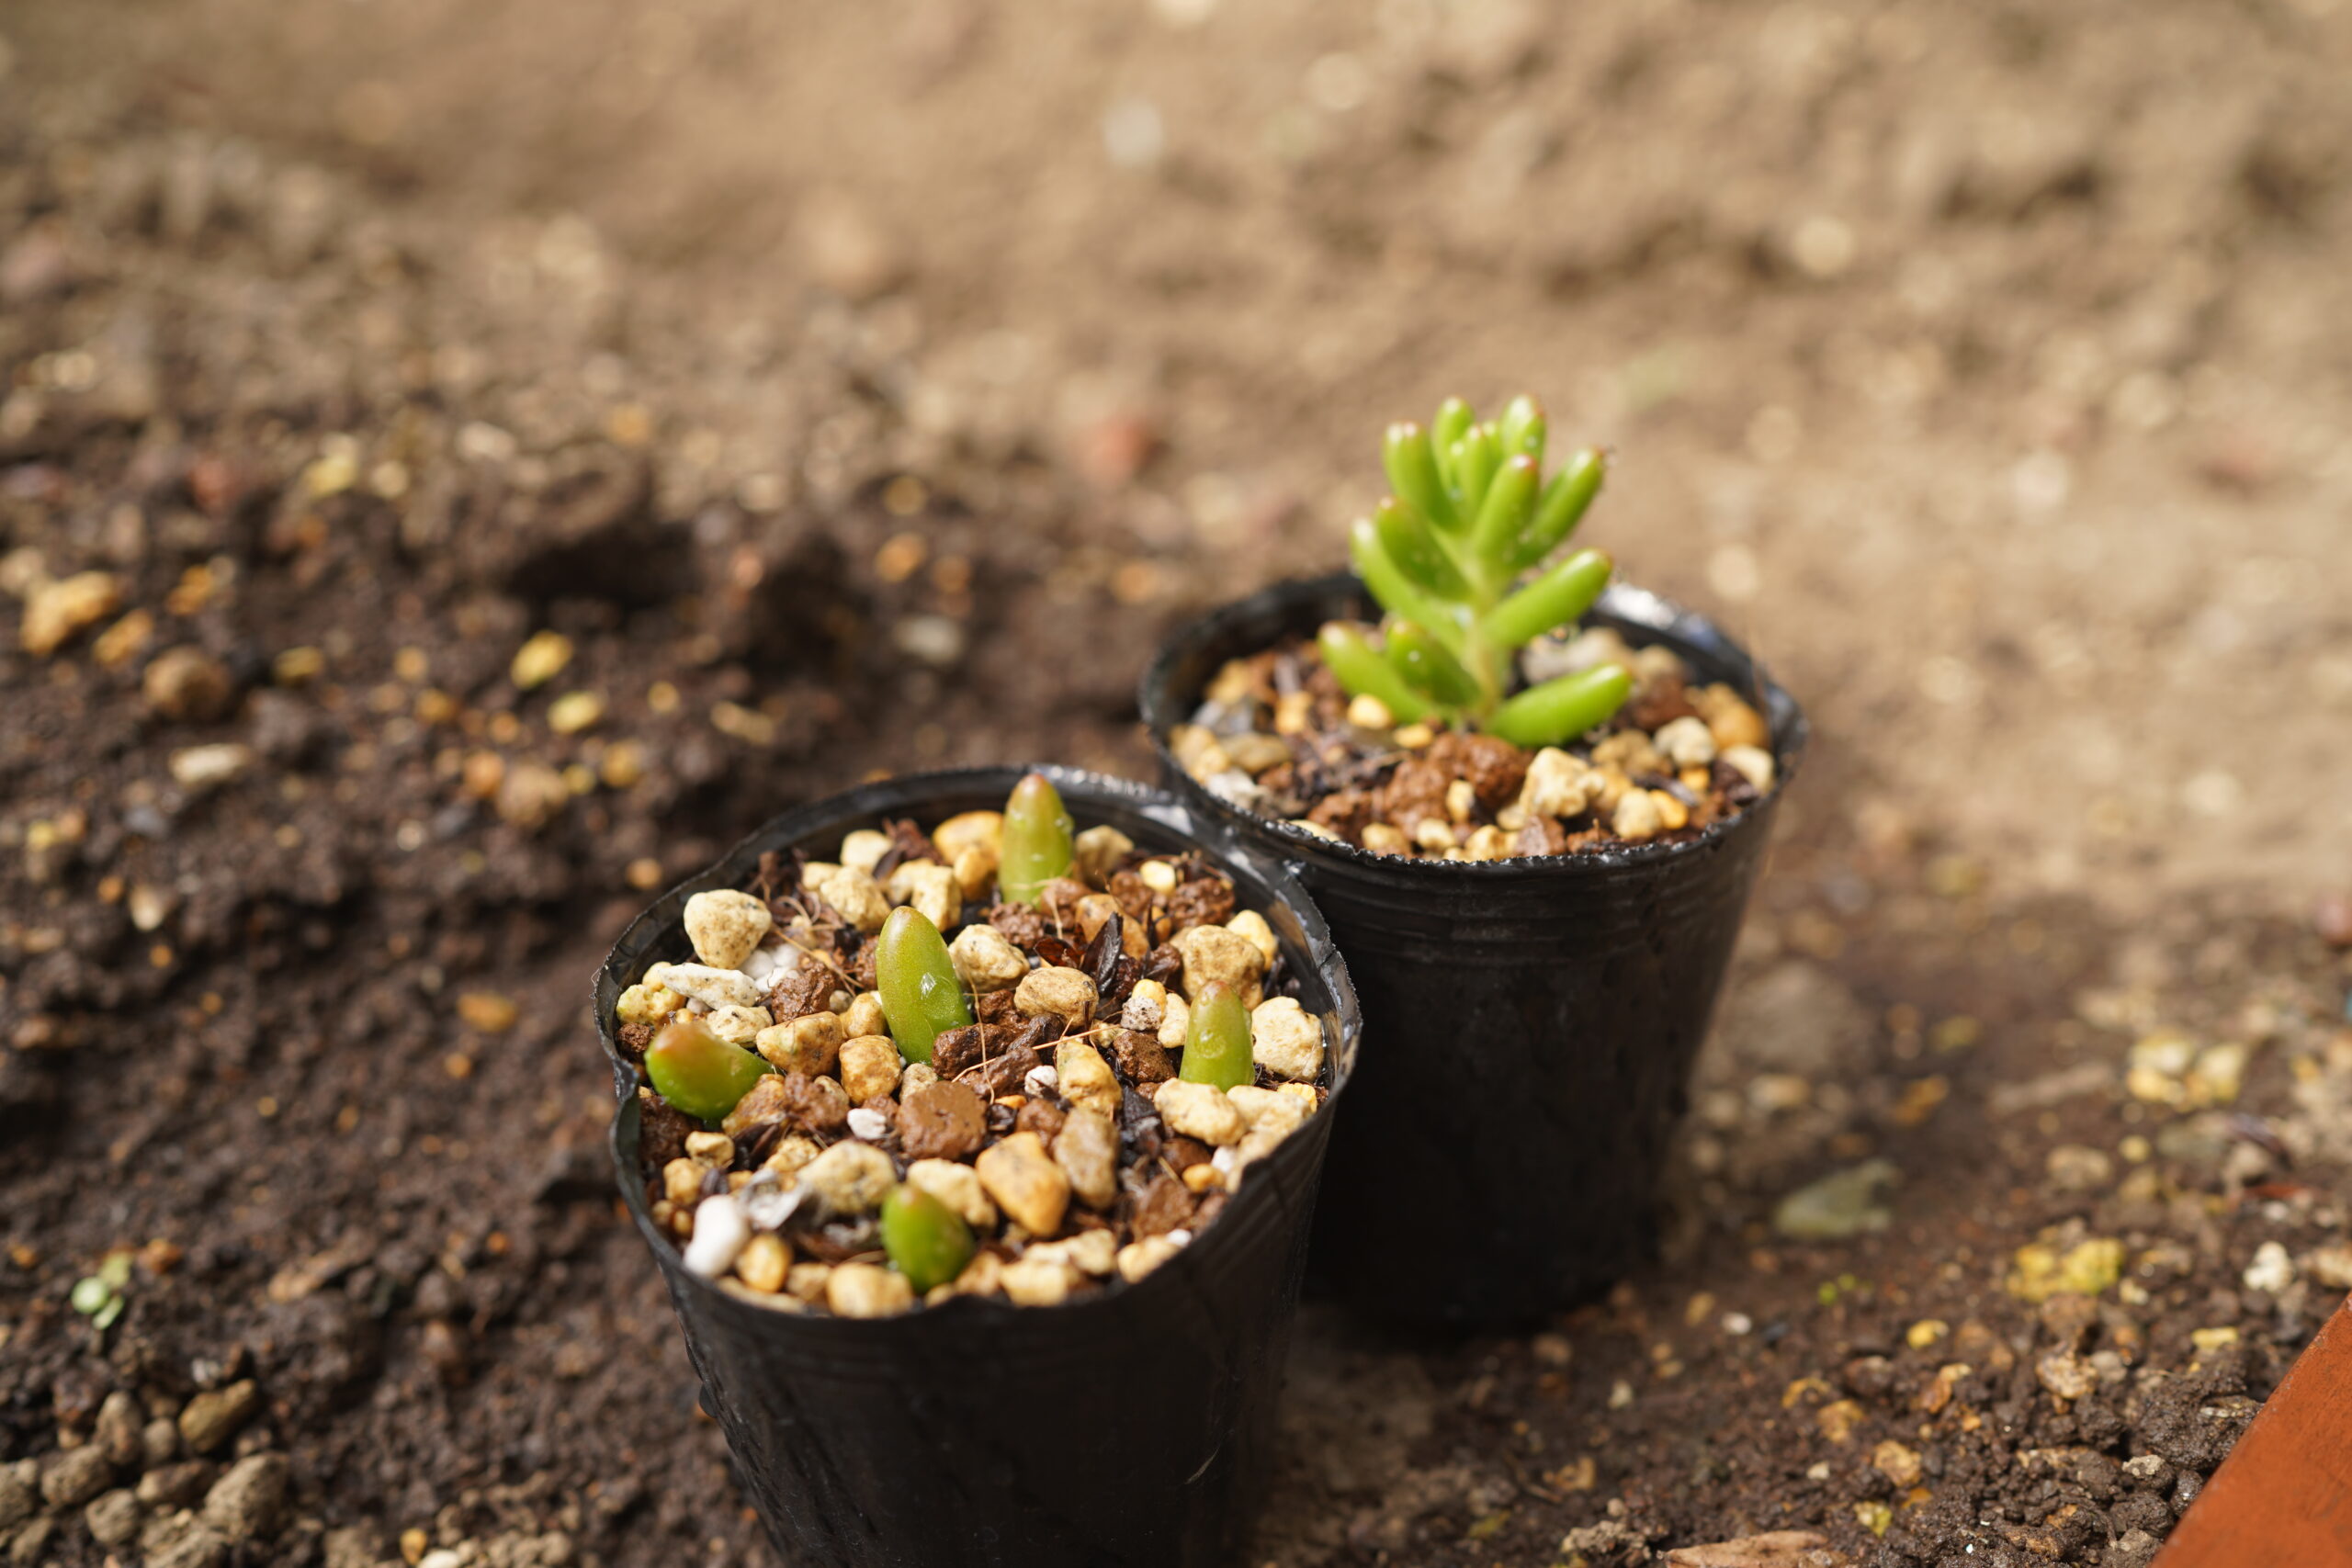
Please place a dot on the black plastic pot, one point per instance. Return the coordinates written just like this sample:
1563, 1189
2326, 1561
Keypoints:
1133, 1428
1530, 1024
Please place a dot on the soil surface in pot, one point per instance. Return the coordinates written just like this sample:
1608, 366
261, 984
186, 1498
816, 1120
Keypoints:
1982, 383
1276, 734
1076, 1130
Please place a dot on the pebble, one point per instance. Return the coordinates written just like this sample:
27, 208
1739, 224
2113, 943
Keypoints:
1557, 784
1637, 817
1087, 1149
117, 1429
2271, 1271
187, 684
870, 1126
174, 1485
1841, 1206
1084, 1078
1057, 992
72, 1477
810, 1045
1685, 742
869, 1069
1752, 762
1037, 1282
57, 611
1025, 1182
113, 1518
540, 660
1139, 1258
862, 1289
958, 1187
2067, 1375
711, 986
2037, 1271
986, 960
1200, 1110
1215, 956
19, 1492
850, 1179
201, 767
1286, 1040
1773, 1548
854, 895
249, 1502
727, 927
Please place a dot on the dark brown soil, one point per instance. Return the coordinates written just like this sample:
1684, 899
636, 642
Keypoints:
1983, 380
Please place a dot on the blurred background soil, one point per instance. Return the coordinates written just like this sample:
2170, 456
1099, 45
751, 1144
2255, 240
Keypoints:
868, 387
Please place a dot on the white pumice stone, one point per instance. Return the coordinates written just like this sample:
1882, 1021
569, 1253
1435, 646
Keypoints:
720, 1232
712, 987
727, 926
868, 1125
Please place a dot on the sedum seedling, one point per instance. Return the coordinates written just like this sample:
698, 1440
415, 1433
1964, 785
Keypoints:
922, 996
1216, 1038
696, 1071
927, 1241
1037, 840
1446, 556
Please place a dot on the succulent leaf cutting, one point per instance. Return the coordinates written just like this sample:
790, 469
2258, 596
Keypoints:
1447, 556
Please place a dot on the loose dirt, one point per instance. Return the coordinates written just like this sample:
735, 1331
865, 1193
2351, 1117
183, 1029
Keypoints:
1986, 383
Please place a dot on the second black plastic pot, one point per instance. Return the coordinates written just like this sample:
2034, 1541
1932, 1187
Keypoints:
1530, 1024
1131, 1428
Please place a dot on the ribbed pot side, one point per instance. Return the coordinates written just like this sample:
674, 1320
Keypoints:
1530, 1024
1132, 1427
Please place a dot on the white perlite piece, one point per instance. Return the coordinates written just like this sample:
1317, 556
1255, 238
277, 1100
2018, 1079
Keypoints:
727, 926
711, 986
766, 965
1214, 955
868, 1126
1286, 1040
986, 960
720, 1230
1638, 816
1199, 1110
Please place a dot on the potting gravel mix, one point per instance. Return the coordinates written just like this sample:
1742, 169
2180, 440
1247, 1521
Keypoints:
1277, 734
996, 1056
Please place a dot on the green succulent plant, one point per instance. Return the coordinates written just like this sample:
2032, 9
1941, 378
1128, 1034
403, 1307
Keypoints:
1450, 555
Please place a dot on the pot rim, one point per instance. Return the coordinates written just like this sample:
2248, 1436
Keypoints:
905, 793
1622, 606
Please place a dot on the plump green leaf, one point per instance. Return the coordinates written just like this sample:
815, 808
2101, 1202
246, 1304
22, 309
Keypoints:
1561, 709
922, 996
1038, 840
927, 1241
1554, 599
1476, 457
1521, 429
1413, 473
1503, 516
1216, 1038
1562, 507
1415, 548
1349, 655
1386, 579
1453, 422
1427, 667
696, 1071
